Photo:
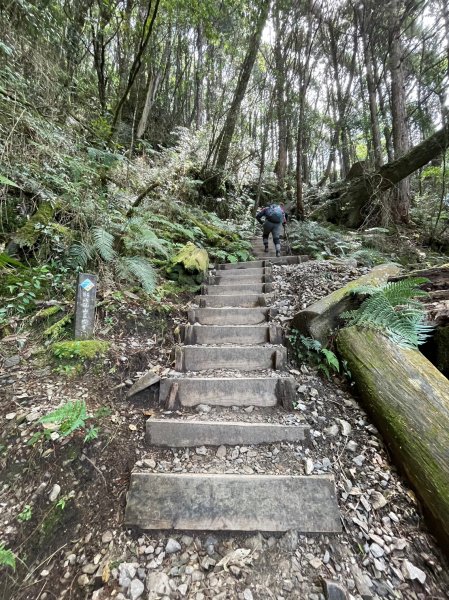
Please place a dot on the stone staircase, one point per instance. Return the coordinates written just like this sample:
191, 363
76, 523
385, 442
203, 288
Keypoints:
230, 331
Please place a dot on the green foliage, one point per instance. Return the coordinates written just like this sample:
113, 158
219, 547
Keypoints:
26, 514
80, 349
91, 434
103, 243
47, 312
20, 289
367, 257
9, 261
57, 330
308, 237
310, 350
7, 557
139, 268
5, 181
68, 417
29, 233
392, 309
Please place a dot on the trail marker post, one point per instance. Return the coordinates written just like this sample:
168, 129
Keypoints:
86, 292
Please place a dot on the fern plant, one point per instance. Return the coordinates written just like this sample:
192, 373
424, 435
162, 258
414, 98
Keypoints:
311, 350
392, 309
68, 417
7, 557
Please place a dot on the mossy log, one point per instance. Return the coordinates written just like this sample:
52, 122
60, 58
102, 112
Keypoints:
408, 399
189, 265
321, 317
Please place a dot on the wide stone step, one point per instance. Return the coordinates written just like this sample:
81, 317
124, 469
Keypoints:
227, 289
281, 260
218, 280
245, 358
237, 273
212, 502
224, 316
240, 300
179, 433
232, 334
225, 391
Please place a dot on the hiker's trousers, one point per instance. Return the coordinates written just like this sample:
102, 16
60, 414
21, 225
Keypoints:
275, 229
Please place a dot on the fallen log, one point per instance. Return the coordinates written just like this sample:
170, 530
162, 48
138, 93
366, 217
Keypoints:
354, 195
408, 399
438, 278
320, 318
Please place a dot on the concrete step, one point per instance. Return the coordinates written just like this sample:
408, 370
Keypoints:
217, 280
236, 273
237, 300
245, 358
224, 316
226, 391
282, 260
227, 289
211, 502
234, 334
179, 433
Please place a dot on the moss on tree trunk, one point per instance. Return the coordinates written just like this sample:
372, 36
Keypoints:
408, 399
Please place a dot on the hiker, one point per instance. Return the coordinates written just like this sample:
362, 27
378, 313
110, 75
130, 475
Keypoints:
275, 218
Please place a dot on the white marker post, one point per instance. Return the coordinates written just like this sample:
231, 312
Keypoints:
86, 292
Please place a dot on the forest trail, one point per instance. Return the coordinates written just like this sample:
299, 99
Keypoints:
231, 330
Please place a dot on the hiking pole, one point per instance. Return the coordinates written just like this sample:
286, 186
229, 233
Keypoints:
289, 248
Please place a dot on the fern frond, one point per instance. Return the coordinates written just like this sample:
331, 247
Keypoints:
176, 228
401, 292
69, 417
148, 240
103, 242
140, 268
9, 261
391, 309
80, 254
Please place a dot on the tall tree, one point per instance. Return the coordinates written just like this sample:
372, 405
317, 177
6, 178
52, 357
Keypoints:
229, 126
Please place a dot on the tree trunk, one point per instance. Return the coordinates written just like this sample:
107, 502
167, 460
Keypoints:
279, 59
242, 84
147, 30
199, 96
408, 399
401, 198
374, 121
154, 80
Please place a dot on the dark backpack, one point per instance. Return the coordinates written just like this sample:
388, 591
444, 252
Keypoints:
274, 213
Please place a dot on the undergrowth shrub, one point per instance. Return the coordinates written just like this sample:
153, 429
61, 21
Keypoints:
309, 237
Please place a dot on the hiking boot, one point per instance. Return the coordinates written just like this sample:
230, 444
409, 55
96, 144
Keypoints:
278, 253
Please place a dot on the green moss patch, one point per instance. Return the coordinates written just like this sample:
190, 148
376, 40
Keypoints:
80, 349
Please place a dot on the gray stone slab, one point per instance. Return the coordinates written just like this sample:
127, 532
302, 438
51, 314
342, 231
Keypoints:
226, 391
237, 273
237, 300
219, 334
246, 358
240, 280
235, 288
143, 383
282, 260
232, 502
224, 316
179, 433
